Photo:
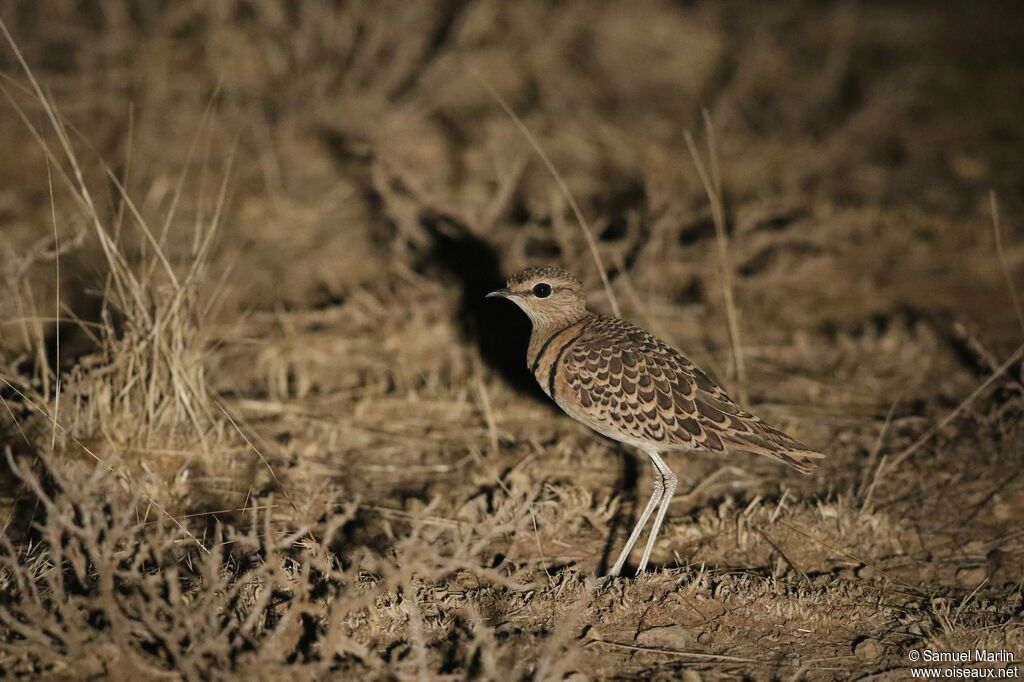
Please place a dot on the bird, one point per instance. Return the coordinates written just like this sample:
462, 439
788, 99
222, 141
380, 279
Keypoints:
634, 388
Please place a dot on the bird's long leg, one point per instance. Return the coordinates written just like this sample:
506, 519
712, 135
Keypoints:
669, 481
659, 489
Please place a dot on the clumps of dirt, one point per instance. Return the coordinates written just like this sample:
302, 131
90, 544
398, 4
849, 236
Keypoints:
279, 433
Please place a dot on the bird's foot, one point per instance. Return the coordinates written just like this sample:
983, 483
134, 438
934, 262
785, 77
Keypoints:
604, 583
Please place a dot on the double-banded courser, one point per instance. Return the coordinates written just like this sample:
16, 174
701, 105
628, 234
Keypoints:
632, 387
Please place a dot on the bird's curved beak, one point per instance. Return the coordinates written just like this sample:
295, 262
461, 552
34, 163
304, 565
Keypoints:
500, 293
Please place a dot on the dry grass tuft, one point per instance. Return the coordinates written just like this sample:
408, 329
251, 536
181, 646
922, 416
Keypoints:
257, 420
109, 587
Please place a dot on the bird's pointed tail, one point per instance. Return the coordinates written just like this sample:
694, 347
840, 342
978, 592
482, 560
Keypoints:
770, 442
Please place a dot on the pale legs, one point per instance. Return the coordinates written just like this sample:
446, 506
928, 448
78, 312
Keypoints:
669, 482
664, 488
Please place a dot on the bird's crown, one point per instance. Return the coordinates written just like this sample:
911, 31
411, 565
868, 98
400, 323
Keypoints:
552, 275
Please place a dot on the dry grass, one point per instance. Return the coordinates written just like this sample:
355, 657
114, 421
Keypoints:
257, 421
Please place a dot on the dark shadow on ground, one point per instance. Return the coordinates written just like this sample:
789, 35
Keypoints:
627, 483
497, 327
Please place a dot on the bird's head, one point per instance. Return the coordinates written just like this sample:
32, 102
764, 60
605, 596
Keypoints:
549, 296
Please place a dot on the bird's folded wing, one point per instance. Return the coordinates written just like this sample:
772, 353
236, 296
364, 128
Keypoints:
628, 380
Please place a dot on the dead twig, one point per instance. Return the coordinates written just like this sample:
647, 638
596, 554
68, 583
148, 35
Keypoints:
994, 207
967, 402
563, 188
712, 182
696, 655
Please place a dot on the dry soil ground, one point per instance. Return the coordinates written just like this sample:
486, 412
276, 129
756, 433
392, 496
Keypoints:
277, 431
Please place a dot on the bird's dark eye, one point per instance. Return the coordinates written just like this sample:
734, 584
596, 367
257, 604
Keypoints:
542, 290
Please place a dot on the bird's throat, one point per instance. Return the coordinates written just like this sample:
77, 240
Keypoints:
545, 334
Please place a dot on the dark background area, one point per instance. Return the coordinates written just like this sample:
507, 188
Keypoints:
274, 343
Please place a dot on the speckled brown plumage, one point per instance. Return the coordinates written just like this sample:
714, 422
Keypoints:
625, 383
629, 385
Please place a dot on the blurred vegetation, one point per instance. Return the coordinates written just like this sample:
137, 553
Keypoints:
277, 432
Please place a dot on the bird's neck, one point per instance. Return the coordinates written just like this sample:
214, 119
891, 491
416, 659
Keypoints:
546, 329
